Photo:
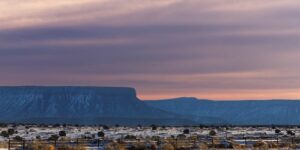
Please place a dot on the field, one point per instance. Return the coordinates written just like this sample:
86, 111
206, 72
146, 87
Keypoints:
100, 137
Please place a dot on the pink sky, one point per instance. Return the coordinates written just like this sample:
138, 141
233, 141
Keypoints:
212, 49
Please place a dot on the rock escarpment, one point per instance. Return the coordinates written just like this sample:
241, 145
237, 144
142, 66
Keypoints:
83, 105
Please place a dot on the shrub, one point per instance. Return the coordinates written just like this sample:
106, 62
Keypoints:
10, 131
181, 136
203, 146
36, 145
212, 133
261, 145
168, 146
62, 133
130, 137
140, 146
18, 138
101, 134
38, 137
4, 134
277, 131
67, 147
289, 132
105, 127
53, 138
3, 125
154, 127
56, 125
186, 131
114, 146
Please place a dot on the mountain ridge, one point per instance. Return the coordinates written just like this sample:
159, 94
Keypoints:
246, 112
69, 104
120, 105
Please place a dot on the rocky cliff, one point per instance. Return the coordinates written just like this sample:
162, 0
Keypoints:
89, 105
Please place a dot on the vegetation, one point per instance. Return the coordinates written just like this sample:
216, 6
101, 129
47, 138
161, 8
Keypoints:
53, 137
36, 145
186, 131
130, 137
282, 138
101, 134
153, 127
7, 133
168, 146
62, 133
114, 146
4, 134
105, 127
67, 147
212, 133
277, 131
18, 138
289, 132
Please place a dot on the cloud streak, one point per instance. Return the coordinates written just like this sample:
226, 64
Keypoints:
216, 49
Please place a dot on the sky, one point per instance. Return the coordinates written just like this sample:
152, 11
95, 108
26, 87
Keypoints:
209, 49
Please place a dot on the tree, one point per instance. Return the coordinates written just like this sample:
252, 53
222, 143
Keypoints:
3, 125
201, 126
273, 127
62, 133
154, 127
186, 131
10, 131
101, 134
38, 137
4, 134
277, 131
105, 127
289, 132
212, 133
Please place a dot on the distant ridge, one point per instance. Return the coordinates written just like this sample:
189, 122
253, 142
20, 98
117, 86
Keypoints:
119, 105
244, 112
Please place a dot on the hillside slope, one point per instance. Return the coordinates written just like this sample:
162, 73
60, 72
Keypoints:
257, 112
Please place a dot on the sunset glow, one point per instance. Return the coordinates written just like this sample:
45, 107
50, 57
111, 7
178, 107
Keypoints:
209, 49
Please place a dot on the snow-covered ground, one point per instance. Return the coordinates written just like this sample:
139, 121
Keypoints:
30, 132
140, 134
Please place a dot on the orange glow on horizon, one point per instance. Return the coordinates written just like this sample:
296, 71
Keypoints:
228, 95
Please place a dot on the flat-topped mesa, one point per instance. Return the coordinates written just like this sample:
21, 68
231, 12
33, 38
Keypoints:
59, 90
80, 105
67, 101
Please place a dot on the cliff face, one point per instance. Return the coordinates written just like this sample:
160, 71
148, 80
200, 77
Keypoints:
75, 103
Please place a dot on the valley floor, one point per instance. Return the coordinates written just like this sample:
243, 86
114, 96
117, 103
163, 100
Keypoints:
154, 137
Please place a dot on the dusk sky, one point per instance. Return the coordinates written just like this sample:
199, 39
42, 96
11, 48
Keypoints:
213, 49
